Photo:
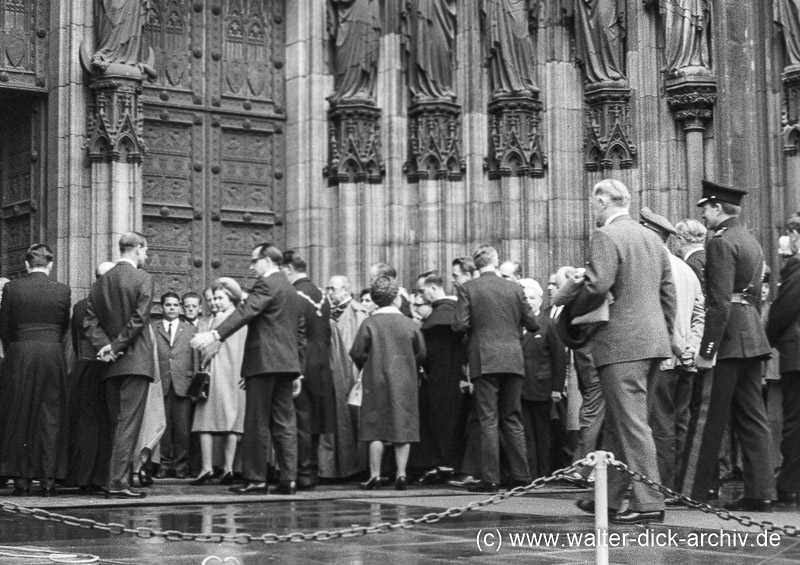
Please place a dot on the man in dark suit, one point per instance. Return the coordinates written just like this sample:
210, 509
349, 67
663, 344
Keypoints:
493, 311
116, 323
735, 340
314, 406
175, 362
271, 369
630, 260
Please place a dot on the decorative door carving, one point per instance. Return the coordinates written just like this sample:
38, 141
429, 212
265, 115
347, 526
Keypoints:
23, 43
21, 174
213, 177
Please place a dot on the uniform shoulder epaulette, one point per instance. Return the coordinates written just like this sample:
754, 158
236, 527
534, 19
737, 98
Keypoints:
720, 232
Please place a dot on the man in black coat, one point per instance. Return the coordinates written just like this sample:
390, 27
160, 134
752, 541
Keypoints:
116, 324
315, 405
783, 331
734, 340
493, 311
273, 351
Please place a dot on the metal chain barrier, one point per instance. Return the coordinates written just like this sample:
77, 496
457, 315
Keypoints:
270, 538
791, 531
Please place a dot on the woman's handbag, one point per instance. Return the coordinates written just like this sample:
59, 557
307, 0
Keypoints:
198, 389
356, 393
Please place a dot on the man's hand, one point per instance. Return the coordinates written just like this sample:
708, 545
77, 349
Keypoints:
202, 339
703, 363
297, 386
106, 354
556, 396
242, 384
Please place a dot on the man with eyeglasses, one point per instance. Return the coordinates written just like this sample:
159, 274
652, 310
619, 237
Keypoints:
271, 369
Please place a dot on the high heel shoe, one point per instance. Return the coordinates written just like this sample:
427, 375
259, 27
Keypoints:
202, 479
401, 483
226, 479
371, 484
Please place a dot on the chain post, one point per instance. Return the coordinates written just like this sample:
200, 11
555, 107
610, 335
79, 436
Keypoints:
601, 505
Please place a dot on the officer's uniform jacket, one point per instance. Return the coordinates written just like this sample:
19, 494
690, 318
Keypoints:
734, 265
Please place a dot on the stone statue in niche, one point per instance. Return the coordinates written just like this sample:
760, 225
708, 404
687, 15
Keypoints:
687, 26
119, 31
354, 26
600, 39
430, 43
507, 30
787, 16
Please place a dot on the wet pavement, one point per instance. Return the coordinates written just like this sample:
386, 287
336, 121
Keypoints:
543, 527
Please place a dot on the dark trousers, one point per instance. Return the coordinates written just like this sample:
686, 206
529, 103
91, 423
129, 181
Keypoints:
497, 400
789, 477
668, 395
628, 435
307, 441
471, 458
536, 421
175, 441
126, 397
592, 416
269, 413
734, 386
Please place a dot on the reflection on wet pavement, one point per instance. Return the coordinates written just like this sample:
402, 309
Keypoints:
451, 540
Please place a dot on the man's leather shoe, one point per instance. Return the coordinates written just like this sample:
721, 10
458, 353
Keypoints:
306, 484
145, 479
483, 486
251, 488
285, 487
634, 517
750, 505
162, 473
786, 498
21, 491
463, 482
181, 475
587, 505
673, 501
125, 493
712, 495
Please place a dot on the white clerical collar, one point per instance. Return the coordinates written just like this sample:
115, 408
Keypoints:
129, 261
271, 271
692, 252
613, 217
387, 310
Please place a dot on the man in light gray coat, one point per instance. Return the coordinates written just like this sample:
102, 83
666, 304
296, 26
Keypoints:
630, 262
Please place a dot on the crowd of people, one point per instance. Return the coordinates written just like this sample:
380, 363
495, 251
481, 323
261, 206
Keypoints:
656, 350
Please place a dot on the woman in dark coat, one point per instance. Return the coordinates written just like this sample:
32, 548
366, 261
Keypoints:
388, 348
34, 314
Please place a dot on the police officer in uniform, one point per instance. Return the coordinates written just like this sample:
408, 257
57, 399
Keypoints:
734, 345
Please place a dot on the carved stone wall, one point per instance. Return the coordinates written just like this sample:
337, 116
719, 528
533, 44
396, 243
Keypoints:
434, 135
354, 150
515, 147
609, 141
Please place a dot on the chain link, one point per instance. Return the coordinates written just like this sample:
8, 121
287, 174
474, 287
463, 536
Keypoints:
747, 521
272, 538
430, 518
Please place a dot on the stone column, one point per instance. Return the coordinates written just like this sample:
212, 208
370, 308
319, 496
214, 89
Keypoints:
691, 99
116, 147
791, 137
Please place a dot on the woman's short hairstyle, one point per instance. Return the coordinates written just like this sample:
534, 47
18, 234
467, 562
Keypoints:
229, 287
383, 291
38, 256
691, 231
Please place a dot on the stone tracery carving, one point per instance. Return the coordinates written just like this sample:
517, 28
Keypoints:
609, 141
601, 30
508, 34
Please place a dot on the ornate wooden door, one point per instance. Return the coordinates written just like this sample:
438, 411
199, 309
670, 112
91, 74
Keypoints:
21, 178
213, 177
